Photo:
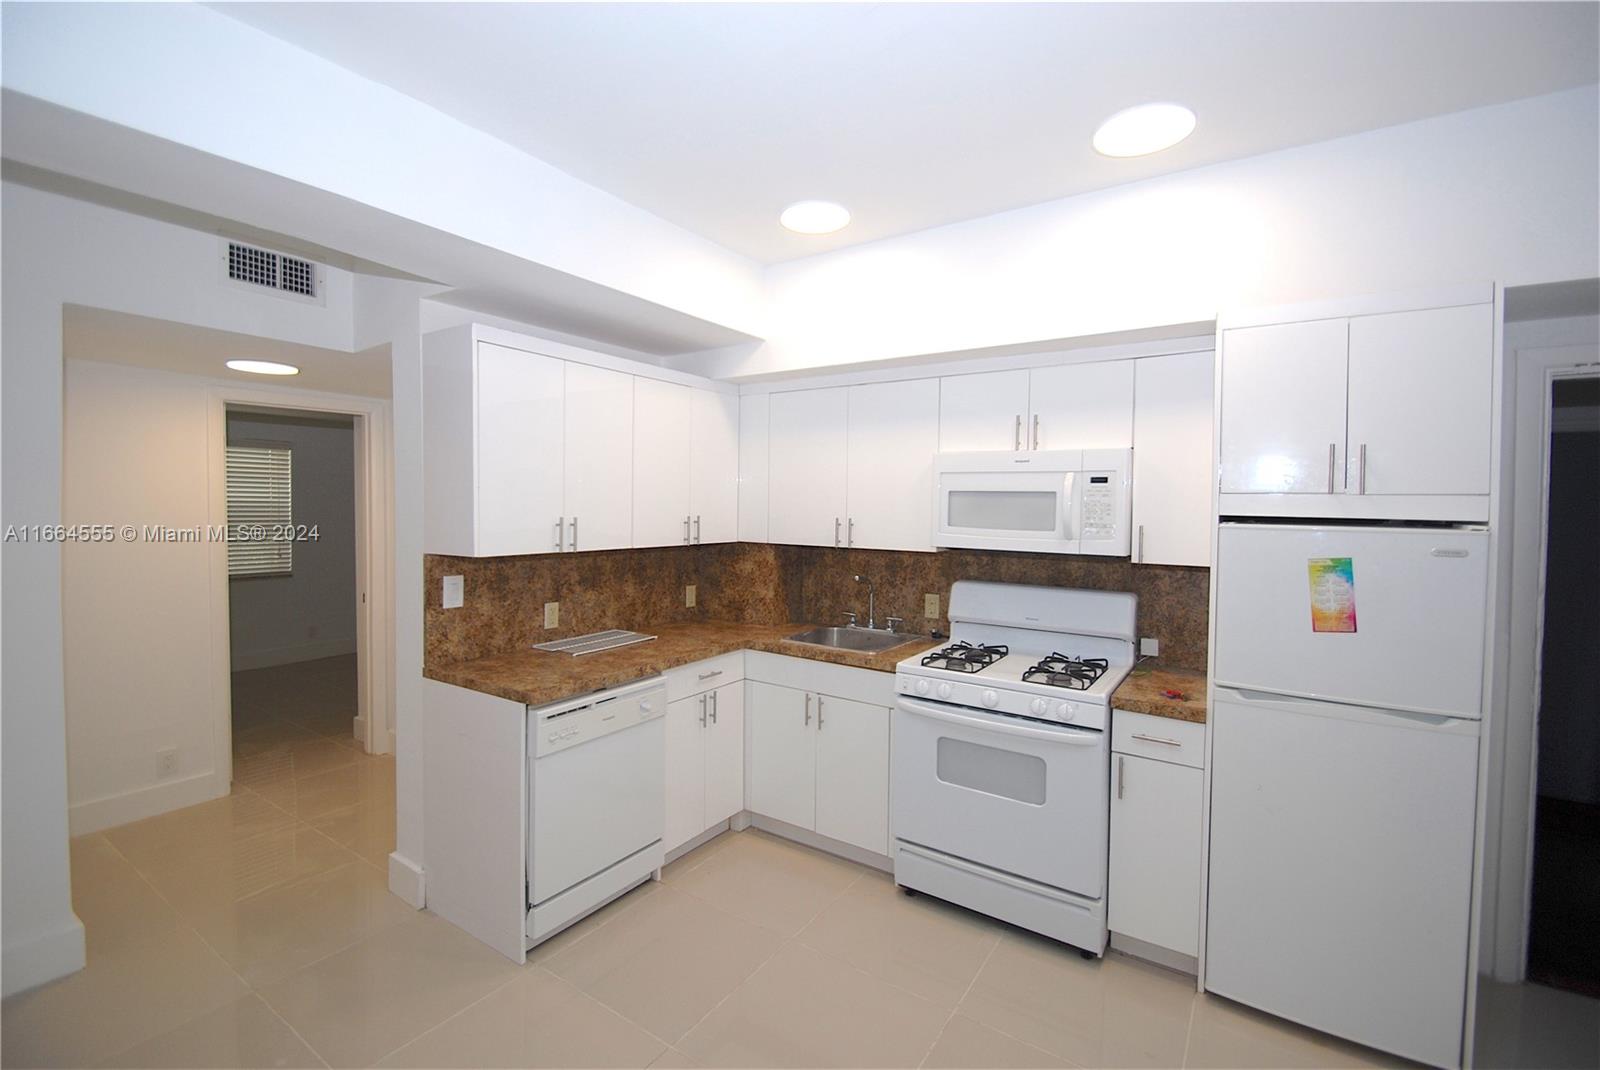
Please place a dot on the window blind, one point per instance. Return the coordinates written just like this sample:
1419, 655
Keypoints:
259, 511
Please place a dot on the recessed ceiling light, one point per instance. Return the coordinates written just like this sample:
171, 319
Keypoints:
263, 367
815, 217
1144, 129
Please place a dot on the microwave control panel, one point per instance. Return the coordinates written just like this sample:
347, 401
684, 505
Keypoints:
1099, 506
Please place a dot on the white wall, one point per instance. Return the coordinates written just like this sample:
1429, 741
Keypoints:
1504, 194
311, 613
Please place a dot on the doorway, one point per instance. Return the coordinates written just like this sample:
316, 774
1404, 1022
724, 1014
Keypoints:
1563, 925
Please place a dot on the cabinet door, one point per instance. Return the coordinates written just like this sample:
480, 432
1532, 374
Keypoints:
987, 411
853, 772
807, 470
725, 754
1283, 408
599, 458
1420, 384
686, 771
714, 466
519, 487
662, 432
782, 753
1172, 470
1081, 406
1154, 891
894, 433
753, 440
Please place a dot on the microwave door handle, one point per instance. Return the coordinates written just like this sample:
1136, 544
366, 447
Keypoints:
1068, 504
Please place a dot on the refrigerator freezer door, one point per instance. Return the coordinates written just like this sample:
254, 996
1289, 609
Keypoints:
1341, 869
1414, 597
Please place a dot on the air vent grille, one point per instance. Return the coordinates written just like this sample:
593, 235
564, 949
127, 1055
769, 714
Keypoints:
276, 271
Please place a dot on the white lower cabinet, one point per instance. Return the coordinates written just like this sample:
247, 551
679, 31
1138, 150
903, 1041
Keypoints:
820, 763
705, 762
1153, 893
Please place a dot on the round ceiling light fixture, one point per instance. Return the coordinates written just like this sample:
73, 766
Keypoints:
815, 217
1144, 129
263, 367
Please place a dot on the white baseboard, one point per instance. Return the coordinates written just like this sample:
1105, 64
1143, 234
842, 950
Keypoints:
1161, 956
358, 728
406, 881
822, 843
109, 811
288, 655
33, 960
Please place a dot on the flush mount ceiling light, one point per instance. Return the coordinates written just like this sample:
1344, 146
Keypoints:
263, 367
815, 217
1142, 130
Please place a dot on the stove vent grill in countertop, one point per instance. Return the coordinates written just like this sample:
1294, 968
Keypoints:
594, 642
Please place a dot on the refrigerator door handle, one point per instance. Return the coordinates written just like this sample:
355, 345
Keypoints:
1372, 714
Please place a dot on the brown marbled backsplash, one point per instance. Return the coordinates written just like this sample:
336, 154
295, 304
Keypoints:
758, 583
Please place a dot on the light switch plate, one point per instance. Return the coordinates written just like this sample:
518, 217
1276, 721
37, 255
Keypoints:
930, 606
166, 762
454, 592
552, 614
1149, 648
688, 596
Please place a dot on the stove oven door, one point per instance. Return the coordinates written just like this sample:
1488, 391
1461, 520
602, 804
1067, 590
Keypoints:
1024, 797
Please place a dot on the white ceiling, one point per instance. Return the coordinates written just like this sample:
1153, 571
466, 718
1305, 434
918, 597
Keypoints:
717, 116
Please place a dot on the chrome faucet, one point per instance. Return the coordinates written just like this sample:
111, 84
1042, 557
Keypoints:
872, 612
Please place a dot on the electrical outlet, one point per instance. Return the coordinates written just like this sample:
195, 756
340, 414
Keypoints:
552, 614
454, 592
930, 606
1149, 648
166, 762
688, 596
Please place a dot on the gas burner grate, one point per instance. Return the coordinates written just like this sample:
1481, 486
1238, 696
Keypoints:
1058, 670
965, 657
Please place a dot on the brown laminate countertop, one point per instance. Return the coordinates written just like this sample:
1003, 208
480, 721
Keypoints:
539, 676
1142, 691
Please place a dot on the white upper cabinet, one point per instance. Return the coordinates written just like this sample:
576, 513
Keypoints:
713, 466
1420, 384
753, 444
663, 417
986, 411
519, 444
893, 435
1081, 406
1172, 469
807, 467
599, 458
1283, 408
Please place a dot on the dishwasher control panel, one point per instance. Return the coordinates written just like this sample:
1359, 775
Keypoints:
561, 725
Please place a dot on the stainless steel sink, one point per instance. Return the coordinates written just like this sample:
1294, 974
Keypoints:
865, 640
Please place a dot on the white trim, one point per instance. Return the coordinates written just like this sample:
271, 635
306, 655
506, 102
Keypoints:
818, 842
1478, 293
33, 960
407, 881
109, 811
1161, 956
311, 650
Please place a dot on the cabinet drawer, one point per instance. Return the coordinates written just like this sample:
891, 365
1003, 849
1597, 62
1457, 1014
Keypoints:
1162, 738
701, 676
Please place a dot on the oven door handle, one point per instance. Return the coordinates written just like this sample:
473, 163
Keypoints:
1074, 737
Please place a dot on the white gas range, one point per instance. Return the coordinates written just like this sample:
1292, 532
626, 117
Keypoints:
1000, 757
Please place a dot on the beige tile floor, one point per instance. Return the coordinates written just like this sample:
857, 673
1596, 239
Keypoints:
256, 930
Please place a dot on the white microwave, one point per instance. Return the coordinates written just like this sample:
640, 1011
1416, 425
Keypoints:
1046, 501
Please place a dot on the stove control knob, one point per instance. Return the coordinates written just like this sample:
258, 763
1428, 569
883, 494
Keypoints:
991, 699
1067, 711
1038, 707
944, 690
922, 687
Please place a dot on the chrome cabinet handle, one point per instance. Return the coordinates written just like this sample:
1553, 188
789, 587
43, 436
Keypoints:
697, 528
686, 529
1035, 430
1361, 471
1017, 437
850, 538
1141, 544
709, 675
702, 711
574, 533
1157, 739
808, 708
819, 713
836, 526
713, 707
1332, 449
1120, 764
561, 532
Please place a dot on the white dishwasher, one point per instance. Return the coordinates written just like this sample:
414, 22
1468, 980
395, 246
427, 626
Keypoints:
596, 796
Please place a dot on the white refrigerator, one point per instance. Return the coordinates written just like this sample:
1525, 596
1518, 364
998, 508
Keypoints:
1348, 677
